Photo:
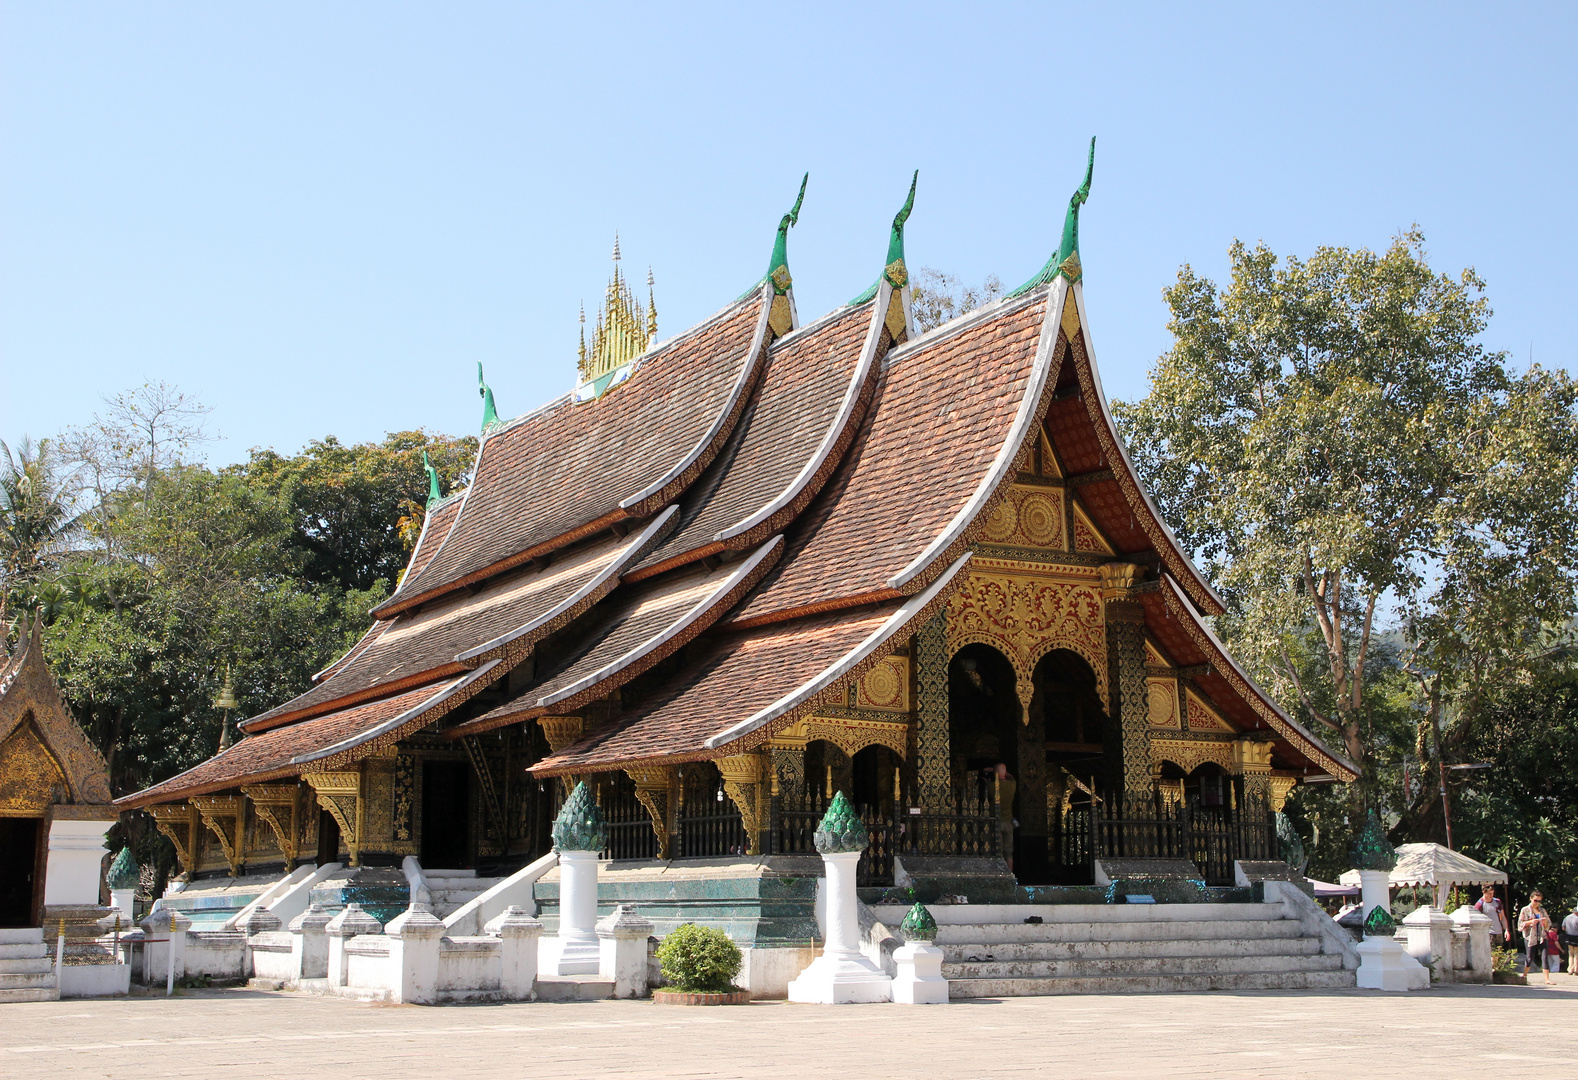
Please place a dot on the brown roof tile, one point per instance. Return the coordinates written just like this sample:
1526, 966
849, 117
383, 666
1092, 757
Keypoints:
941, 415
268, 754
807, 378
728, 679
543, 480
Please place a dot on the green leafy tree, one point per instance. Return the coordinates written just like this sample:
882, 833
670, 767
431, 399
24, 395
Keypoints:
1357, 471
347, 503
37, 523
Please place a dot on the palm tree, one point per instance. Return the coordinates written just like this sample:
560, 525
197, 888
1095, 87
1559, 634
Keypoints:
36, 519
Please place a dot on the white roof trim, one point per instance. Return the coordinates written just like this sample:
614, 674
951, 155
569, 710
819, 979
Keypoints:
830, 438
841, 666
1123, 451
615, 565
405, 717
1046, 348
741, 381
679, 624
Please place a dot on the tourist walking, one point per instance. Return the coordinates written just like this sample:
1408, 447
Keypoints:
1006, 787
1534, 925
1488, 906
1570, 939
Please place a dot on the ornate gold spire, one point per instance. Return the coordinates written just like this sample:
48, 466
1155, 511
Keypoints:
622, 332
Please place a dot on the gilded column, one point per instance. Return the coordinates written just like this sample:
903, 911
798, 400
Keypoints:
742, 783
563, 731
933, 775
1126, 662
1252, 761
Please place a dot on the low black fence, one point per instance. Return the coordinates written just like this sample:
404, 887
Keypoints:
1210, 837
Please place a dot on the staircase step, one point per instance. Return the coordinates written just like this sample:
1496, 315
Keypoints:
30, 981
23, 951
1152, 984
1103, 950
26, 965
29, 995
1125, 930
22, 935
1137, 966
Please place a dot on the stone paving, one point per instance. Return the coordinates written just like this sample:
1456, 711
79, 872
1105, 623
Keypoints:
1499, 1031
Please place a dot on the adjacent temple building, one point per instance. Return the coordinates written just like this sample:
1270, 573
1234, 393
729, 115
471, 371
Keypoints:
762, 562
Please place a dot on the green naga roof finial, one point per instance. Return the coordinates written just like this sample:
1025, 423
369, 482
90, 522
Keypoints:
894, 270
1066, 260
778, 267
434, 492
490, 414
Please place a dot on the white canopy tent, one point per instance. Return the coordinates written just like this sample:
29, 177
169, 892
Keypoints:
1437, 866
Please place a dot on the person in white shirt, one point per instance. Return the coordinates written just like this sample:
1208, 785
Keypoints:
1570, 929
1490, 907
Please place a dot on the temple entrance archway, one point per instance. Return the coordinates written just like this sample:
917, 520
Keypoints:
21, 851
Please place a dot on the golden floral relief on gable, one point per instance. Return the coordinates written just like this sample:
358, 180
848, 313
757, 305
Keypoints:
886, 686
1202, 717
1154, 655
1028, 516
1162, 695
850, 736
1189, 756
1088, 538
31, 780
1026, 614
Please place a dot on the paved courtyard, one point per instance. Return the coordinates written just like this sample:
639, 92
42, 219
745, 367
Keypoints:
1500, 1031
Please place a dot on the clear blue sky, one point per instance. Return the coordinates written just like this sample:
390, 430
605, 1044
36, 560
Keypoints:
318, 217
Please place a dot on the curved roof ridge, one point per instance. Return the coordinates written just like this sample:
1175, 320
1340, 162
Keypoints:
1101, 418
416, 712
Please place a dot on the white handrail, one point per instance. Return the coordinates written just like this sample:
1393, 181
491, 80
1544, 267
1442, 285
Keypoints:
472, 916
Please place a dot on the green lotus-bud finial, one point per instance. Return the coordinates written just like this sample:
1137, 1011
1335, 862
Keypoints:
918, 925
580, 825
1379, 923
841, 829
1290, 846
1370, 848
123, 871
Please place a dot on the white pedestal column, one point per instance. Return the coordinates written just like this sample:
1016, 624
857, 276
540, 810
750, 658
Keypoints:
1430, 941
919, 980
842, 974
575, 950
1383, 965
623, 940
519, 935
1479, 958
76, 852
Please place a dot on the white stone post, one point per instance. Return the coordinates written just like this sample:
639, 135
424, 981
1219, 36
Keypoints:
260, 920
519, 935
309, 947
1430, 941
919, 980
414, 942
76, 852
1383, 965
164, 932
1478, 926
842, 974
579, 833
623, 945
340, 929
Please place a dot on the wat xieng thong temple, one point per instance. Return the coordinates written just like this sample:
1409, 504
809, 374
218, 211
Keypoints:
755, 564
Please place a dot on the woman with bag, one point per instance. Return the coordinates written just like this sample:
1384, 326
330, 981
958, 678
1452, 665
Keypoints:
1535, 926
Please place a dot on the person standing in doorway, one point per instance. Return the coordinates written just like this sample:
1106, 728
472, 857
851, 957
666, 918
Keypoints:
1534, 924
1488, 906
1006, 788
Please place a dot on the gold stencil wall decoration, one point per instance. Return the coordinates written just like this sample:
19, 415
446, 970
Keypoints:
1027, 516
1087, 538
849, 735
1189, 756
31, 780
1026, 615
1202, 717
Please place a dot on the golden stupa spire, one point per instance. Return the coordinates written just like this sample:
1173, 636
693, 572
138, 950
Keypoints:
621, 333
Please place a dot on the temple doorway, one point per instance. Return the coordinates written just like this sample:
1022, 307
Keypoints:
19, 870
1084, 761
446, 815
985, 727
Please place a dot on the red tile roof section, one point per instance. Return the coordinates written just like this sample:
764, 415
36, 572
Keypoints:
550, 478
636, 630
940, 417
730, 678
267, 756
806, 381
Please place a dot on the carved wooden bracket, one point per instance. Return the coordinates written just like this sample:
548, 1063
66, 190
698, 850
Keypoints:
1280, 787
226, 816
180, 822
563, 731
340, 793
742, 776
653, 786
278, 804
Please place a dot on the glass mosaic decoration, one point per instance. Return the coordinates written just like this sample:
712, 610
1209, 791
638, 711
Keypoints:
1371, 851
580, 825
841, 829
1290, 847
1379, 923
123, 871
918, 925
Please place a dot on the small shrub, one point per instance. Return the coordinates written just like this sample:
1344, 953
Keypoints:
699, 959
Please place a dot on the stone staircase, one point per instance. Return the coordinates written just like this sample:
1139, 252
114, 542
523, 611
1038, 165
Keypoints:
991, 951
27, 971
452, 889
